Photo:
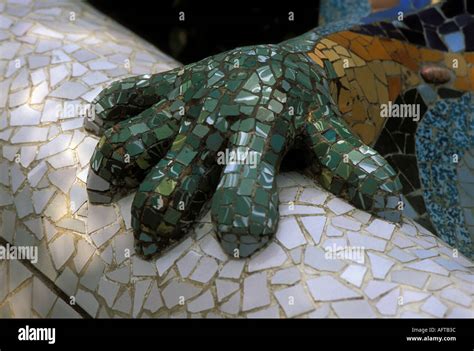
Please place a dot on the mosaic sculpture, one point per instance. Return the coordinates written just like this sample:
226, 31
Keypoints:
219, 128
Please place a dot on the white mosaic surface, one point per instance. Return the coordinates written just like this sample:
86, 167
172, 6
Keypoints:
86, 251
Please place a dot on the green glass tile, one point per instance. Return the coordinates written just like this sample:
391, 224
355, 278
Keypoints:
166, 186
246, 98
214, 77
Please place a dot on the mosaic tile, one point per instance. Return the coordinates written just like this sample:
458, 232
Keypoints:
289, 233
232, 269
91, 277
459, 312
320, 312
401, 255
99, 217
87, 301
67, 282
315, 226
167, 261
43, 298
388, 304
173, 291
232, 306
141, 268
61, 250
413, 296
187, 263
327, 288
225, 288
457, 296
287, 276
101, 236
412, 278
123, 303
434, 307
376, 288
294, 301
154, 301
18, 274
353, 309
205, 270
271, 256
381, 229
428, 265
63, 310
202, 303
313, 196
108, 290
211, 247
43, 202
141, 288
366, 241
120, 275
380, 265
354, 274
255, 293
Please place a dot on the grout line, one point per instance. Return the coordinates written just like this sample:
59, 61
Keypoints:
50, 284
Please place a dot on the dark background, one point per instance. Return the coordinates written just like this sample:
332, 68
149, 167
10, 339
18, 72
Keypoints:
211, 27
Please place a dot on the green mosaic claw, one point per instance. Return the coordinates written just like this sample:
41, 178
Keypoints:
219, 129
